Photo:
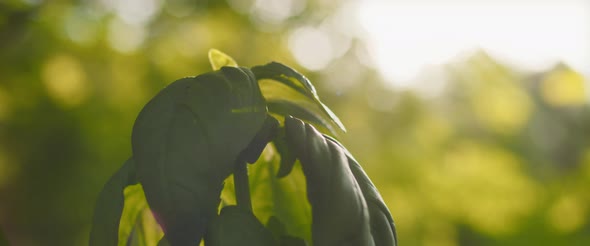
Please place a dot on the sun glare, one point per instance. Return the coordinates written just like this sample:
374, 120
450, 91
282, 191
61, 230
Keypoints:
405, 37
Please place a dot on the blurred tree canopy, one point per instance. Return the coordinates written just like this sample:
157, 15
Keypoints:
487, 155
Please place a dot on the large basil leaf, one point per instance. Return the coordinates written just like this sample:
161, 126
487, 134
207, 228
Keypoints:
382, 225
382, 228
186, 141
237, 227
339, 210
109, 206
306, 106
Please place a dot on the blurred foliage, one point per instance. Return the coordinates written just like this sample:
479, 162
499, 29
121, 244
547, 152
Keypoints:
495, 156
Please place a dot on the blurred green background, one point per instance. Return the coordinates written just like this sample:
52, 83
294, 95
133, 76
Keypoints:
493, 155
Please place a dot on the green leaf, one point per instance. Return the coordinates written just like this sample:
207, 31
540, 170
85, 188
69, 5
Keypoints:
237, 227
301, 109
219, 59
163, 242
382, 225
186, 141
287, 156
109, 206
292, 79
291, 241
332, 171
276, 227
279, 231
265, 135
280, 197
138, 226
146, 231
339, 210
135, 203
284, 100
286, 75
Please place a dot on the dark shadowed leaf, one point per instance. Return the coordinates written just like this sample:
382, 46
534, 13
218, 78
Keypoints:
291, 241
163, 242
266, 134
314, 151
279, 232
186, 141
107, 214
286, 155
382, 225
237, 227
339, 210
276, 227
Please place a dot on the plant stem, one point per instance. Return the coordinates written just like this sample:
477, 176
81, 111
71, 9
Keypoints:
241, 186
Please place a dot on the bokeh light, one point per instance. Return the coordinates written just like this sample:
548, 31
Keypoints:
405, 36
471, 117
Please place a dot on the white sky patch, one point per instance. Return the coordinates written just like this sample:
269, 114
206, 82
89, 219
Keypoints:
406, 36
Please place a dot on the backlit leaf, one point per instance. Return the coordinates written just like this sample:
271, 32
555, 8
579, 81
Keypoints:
219, 59
135, 203
284, 100
291, 78
280, 197
146, 231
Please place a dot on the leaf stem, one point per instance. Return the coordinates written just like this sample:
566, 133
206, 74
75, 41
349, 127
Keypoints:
241, 186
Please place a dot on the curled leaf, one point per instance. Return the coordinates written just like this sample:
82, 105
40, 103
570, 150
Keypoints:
186, 141
286, 75
312, 151
339, 209
382, 225
287, 156
109, 206
290, 78
298, 107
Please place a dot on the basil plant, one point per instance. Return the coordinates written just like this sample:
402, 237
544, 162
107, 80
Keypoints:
240, 156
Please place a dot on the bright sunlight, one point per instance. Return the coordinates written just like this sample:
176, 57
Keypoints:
406, 37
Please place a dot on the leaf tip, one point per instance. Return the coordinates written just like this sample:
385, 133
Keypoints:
219, 59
